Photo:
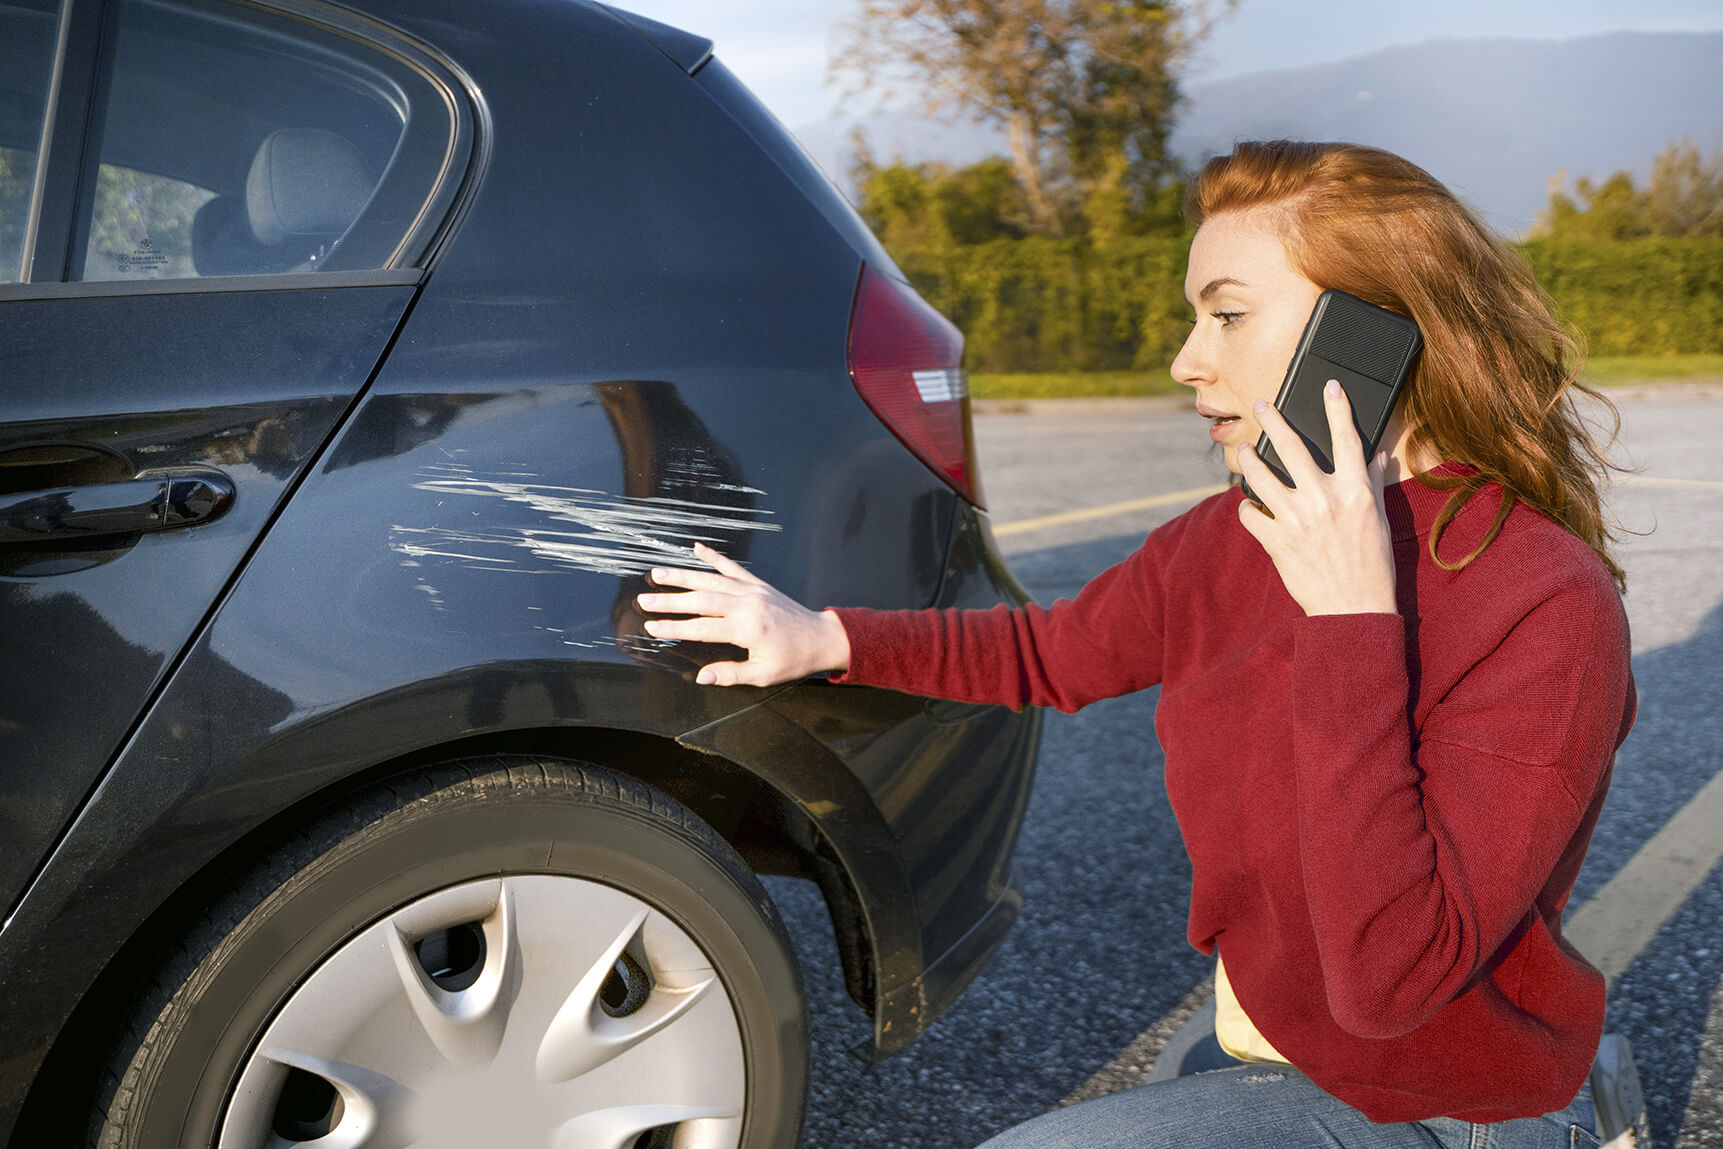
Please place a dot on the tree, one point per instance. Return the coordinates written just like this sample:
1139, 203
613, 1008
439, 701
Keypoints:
1683, 199
933, 206
1686, 193
17, 170
1086, 90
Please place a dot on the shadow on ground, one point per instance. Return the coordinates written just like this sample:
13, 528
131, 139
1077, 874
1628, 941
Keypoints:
1100, 955
1668, 999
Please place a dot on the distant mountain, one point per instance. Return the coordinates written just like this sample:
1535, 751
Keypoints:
893, 135
1494, 119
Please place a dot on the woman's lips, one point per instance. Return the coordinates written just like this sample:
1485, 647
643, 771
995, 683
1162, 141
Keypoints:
1220, 422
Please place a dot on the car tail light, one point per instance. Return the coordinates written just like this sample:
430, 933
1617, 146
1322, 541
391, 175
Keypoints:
906, 359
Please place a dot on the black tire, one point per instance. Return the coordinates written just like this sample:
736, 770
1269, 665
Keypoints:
493, 823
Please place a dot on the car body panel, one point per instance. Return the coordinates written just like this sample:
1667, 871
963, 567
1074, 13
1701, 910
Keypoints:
596, 373
250, 384
224, 752
708, 278
690, 52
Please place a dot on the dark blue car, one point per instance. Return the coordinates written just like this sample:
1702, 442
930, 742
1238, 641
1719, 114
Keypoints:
356, 365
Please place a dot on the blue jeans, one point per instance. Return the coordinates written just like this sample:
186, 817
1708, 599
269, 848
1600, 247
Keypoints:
1267, 1107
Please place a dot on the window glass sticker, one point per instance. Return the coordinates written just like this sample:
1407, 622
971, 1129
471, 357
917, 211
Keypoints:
142, 226
28, 32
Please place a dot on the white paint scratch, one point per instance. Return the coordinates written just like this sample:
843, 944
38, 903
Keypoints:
571, 528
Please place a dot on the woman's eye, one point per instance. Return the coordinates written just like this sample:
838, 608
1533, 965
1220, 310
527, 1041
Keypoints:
1226, 317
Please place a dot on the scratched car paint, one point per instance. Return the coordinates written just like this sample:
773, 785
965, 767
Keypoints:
341, 427
608, 536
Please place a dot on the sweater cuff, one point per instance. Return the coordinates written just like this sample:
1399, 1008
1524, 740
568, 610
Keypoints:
857, 627
1356, 646
1347, 667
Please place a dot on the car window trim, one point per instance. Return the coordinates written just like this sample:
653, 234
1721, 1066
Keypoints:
284, 281
60, 167
44, 143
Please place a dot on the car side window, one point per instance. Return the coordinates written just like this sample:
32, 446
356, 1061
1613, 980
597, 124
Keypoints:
28, 33
236, 142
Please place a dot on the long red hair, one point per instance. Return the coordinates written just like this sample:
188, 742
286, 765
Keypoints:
1495, 385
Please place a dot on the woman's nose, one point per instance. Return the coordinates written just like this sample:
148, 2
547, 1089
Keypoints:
1187, 365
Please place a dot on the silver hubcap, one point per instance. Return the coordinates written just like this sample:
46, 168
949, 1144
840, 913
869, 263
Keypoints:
521, 1012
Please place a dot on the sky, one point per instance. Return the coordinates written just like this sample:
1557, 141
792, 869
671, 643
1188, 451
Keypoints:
779, 47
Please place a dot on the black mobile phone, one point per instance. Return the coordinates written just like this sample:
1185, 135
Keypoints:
1369, 349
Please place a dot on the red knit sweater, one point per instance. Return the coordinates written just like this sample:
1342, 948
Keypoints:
1385, 813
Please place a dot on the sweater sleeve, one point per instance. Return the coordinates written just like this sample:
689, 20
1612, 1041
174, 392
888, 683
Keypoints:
1106, 642
1421, 862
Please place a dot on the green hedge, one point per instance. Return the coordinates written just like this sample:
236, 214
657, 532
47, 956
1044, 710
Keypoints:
1654, 296
1038, 304
1042, 304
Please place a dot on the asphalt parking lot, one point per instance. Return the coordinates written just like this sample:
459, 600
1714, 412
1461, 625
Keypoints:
1097, 973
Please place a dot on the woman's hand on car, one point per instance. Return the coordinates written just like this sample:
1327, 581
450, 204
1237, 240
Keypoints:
784, 640
1328, 537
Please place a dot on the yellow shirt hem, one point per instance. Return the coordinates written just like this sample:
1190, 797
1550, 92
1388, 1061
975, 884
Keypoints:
1237, 1034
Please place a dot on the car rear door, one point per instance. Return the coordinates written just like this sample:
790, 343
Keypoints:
213, 218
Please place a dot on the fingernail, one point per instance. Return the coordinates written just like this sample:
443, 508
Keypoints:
705, 677
1259, 406
657, 574
1332, 389
1244, 447
651, 626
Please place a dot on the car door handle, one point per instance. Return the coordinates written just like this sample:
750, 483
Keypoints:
151, 501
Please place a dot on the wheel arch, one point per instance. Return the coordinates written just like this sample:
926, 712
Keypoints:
773, 832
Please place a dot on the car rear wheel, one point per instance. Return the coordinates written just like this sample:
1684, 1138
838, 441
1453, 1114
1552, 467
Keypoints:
507, 952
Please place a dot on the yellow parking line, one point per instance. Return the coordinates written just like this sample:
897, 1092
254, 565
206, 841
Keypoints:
1621, 919
1658, 481
1023, 526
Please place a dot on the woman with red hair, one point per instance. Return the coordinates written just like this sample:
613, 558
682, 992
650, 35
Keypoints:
1390, 698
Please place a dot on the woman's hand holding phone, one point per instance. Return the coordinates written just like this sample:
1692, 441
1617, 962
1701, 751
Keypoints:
1328, 537
784, 639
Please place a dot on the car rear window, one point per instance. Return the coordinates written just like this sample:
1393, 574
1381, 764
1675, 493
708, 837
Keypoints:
236, 142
